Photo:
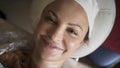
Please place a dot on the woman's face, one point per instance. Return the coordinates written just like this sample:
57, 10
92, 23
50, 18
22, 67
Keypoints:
61, 30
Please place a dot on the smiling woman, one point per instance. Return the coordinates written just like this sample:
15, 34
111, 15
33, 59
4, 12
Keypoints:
75, 16
61, 30
63, 26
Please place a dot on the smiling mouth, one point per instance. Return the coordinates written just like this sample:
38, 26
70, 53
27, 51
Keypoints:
51, 44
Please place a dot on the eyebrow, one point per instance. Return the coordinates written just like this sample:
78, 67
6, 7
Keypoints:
54, 14
72, 24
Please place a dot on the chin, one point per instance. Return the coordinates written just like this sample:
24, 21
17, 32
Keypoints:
51, 55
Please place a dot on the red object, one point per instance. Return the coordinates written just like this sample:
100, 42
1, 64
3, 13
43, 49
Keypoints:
113, 40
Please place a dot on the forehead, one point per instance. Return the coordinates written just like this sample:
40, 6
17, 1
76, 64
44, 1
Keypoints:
68, 11
67, 8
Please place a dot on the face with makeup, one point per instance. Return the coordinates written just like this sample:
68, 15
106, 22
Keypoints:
61, 30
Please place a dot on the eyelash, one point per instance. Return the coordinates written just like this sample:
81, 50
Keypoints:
49, 20
72, 31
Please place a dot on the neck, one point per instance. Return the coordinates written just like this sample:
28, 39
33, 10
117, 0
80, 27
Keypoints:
47, 64
41, 63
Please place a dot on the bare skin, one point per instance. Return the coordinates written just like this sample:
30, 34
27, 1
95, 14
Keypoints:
61, 30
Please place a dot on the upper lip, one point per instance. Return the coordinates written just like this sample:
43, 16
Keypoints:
52, 43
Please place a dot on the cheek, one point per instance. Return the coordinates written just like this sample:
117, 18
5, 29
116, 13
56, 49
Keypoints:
72, 45
41, 28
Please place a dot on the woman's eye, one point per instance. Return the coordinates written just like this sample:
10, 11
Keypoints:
72, 31
49, 20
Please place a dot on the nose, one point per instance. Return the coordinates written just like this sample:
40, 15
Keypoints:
56, 34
